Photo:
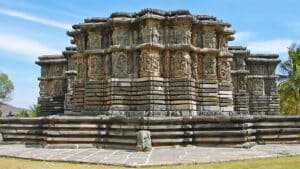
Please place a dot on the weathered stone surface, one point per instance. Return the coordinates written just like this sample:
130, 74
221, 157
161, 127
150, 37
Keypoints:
144, 142
157, 156
156, 61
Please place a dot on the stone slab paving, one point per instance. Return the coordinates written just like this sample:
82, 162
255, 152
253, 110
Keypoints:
158, 156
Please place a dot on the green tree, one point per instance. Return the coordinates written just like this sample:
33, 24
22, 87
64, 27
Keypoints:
6, 87
289, 82
22, 113
33, 111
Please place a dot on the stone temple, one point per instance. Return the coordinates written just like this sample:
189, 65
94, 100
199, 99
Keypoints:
157, 63
155, 78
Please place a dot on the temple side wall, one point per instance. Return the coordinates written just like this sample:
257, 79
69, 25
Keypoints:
157, 64
153, 68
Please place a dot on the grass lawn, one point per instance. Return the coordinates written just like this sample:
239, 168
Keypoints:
291, 162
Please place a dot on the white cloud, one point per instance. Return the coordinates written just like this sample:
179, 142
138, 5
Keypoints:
270, 46
35, 19
243, 36
24, 46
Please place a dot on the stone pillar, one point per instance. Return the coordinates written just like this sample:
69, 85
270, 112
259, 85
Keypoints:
149, 63
150, 82
79, 85
70, 76
181, 83
225, 82
239, 80
257, 98
208, 84
119, 64
120, 83
52, 84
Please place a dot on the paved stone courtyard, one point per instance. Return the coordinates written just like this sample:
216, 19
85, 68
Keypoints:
158, 156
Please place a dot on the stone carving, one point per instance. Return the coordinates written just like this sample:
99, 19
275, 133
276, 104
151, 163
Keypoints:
80, 68
224, 69
80, 41
129, 76
144, 141
194, 66
209, 39
120, 37
256, 86
119, 64
209, 63
94, 40
181, 63
200, 66
101, 67
155, 35
150, 35
149, 64
242, 83
92, 67
105, 41
187, 37
199, 40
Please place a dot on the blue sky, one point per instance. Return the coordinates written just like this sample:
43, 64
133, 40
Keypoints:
29, 28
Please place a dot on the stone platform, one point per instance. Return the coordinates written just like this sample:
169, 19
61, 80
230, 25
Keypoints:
157, 156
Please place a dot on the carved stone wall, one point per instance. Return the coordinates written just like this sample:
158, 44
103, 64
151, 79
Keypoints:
52, 84
254, 82
158, 63
149, 63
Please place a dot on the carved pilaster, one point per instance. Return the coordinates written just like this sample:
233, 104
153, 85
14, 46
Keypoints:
181, 64
149, 63
94, 40
225, 84
208, 85
119, 65
209, 66
209, 37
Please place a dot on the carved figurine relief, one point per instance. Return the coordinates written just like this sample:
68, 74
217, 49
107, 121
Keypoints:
194, 66
81, 68
94, 40
105, 40
101, 66
187, 37
241, 83
119, 65
120, 37
209, 63
199, 40
92, 63
149, 64
209, 39
200, 66
224, 69
155, 35
146, 34
181, 63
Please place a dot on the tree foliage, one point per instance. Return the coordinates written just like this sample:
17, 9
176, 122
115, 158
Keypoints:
289, 82
34, 111
6, 87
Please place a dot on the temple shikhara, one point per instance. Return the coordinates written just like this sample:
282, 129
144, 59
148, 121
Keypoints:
157, 63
